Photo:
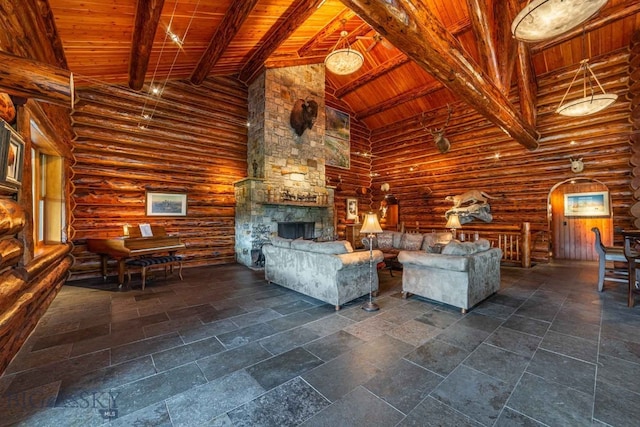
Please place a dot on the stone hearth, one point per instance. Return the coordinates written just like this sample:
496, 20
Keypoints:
286, 172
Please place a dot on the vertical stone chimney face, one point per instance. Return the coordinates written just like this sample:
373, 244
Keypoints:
279, 161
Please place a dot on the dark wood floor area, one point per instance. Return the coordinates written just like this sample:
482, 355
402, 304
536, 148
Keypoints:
222, 347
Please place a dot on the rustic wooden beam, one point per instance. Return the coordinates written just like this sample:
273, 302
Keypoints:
32, 79
400, 99
390, 65
226, 31
334, 25
297, 13
484, 31
293, 61
505, 45
527, 85
606, 17
372, 74
412, 28
144, 31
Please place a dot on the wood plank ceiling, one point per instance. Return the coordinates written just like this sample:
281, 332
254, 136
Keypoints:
116, 42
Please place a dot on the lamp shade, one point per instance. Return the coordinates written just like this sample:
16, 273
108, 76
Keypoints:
453, 222
371, 224
544, 19
344, 61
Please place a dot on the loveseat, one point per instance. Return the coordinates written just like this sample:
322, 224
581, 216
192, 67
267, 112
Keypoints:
462, 274
392, 242
329, 271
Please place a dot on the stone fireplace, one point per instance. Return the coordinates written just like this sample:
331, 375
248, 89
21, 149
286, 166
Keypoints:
286, 173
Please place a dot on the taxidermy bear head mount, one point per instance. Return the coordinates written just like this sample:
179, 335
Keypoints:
303, 115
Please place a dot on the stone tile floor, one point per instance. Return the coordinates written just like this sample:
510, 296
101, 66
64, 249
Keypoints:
224, 348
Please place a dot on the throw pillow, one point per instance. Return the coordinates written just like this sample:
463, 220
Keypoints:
385, 241
455, 247
428, 240
411, 241
482, 245
397, 238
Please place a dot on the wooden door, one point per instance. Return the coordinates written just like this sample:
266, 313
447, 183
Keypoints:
572, 236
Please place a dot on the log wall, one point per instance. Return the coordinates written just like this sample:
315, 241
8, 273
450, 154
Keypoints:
195, 143
483, 157
354, 182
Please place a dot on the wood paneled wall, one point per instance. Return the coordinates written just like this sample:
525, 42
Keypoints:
196, 143
356, 181
483, 157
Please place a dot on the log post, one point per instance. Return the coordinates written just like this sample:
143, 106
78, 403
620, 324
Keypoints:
525, 238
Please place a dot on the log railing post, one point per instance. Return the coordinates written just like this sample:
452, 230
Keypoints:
526, 244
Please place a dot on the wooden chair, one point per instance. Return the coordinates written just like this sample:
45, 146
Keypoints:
609, 254
633, 259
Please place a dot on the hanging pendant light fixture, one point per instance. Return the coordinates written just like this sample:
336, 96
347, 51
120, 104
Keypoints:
544, 19
343, 60
590, 102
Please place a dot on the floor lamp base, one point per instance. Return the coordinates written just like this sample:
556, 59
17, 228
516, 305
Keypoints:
370, 306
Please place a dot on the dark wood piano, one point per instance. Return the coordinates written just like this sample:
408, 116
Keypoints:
123, 248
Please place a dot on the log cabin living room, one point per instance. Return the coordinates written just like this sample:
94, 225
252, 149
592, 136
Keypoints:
264, 212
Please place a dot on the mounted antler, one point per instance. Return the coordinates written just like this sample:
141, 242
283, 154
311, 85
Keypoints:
439, 139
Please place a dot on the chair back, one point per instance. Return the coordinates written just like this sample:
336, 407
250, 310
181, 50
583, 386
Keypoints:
598, 243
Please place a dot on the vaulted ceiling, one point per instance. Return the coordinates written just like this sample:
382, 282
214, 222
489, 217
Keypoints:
125, 42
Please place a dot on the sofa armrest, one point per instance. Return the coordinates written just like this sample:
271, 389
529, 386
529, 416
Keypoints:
360, 257
443, 262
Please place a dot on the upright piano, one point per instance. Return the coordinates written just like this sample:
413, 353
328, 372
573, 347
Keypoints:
123, 248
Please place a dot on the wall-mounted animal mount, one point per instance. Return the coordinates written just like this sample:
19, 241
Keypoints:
442, 143
303, 115
576, 165
473, 196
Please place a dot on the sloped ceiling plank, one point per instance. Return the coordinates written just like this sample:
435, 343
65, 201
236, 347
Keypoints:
326, 32
373, 74
296, 14
482, 25
400, 99
148, 14
606, 17
226, 31
412, 28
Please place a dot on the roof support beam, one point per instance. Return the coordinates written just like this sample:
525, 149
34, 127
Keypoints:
144, 31
412, 28
485, 33
410, 95
226, 31
296, 14
326, 32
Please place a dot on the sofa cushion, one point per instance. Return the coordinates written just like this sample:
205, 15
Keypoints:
456, 247
331, 248
432, 239
411, 241
397, 238
280, 242
385, 241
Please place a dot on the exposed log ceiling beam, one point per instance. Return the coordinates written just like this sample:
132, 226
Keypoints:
506, 46
482, 25
146, 23
373, 74
292, 61
297, 13
400, 99
606, 17
391, 65
527, 85
411, 27
226, 31
326, 32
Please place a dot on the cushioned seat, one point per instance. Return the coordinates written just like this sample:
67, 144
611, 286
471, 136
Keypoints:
144, 263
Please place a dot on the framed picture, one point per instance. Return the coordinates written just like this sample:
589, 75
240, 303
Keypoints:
12, 151
337, 138
594, 203
352, 209
166, 204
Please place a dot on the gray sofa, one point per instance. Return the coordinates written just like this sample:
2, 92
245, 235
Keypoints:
329, 271
462, 275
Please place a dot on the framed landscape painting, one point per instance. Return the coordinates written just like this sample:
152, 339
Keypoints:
166, 204
595, 203
337, 138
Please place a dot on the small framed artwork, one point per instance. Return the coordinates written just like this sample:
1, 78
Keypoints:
595, 203
352, 209
166, 204
12, 161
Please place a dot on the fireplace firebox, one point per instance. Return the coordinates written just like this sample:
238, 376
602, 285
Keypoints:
295, 230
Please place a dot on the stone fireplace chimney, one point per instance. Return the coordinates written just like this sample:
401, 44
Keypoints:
286, 173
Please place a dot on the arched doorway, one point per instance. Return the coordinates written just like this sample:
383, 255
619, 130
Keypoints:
571, 235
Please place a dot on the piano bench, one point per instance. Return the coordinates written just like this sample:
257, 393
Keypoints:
145, 263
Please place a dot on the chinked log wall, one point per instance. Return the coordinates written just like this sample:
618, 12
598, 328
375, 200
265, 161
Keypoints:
483, 157
195, 144
351, 182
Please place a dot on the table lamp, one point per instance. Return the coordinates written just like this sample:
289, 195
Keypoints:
453, 223
370, 227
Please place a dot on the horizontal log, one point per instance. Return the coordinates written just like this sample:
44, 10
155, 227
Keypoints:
12, 217
11, 251
31, 79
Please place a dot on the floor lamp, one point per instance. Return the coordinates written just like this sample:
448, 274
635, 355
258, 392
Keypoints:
371, 227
